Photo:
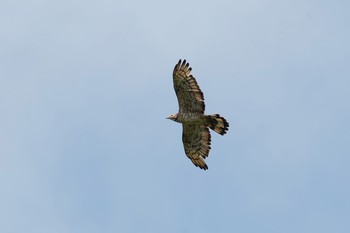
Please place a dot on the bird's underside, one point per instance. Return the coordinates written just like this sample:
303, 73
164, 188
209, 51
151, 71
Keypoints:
195, 136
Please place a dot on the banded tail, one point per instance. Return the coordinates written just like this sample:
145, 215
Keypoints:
217, 123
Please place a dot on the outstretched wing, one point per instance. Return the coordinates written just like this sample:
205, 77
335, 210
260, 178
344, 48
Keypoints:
189, 95
196, 140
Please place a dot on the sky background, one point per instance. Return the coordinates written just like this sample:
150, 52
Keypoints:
85, 87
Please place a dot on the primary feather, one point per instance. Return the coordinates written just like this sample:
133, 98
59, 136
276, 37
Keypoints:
196, 135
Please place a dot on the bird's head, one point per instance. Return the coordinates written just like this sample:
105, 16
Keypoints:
172, 117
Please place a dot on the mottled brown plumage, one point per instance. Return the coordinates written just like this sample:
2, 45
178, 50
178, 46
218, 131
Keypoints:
195, 125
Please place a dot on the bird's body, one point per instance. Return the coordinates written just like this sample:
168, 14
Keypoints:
195, 124
190, 117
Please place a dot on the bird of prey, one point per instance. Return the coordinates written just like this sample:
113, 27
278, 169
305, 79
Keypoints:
195, 124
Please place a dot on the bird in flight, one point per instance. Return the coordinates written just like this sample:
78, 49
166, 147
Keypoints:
195, 124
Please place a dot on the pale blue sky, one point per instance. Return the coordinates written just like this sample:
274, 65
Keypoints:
85, 87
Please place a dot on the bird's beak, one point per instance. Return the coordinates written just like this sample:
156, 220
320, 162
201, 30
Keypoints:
168, 117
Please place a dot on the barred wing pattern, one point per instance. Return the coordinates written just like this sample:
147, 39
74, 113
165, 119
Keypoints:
189, 95
195, 125
196, 140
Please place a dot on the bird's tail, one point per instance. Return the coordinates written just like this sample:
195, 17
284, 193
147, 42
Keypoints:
217, 123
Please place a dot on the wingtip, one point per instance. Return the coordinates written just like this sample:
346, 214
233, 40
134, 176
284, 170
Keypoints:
204, 167
200, 163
